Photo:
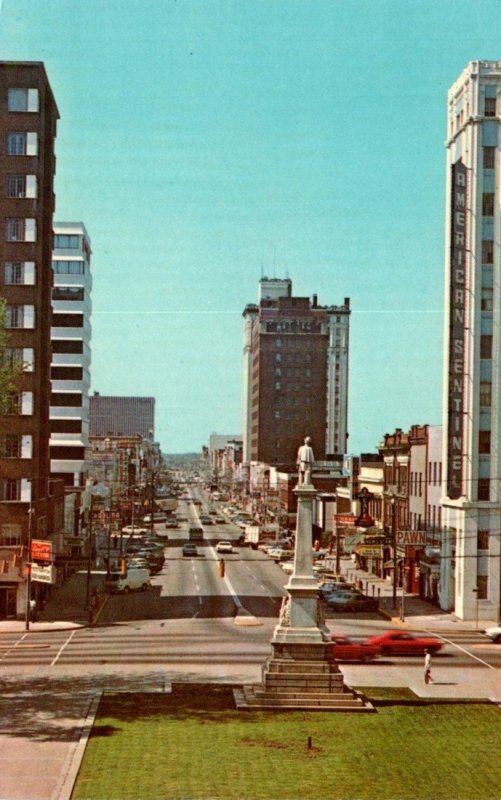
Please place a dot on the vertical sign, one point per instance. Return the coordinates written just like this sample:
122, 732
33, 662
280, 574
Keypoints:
457, 311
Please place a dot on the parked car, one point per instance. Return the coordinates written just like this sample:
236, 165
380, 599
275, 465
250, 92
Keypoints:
494, 633
351, 601
157, 517
206, 520
134, 530
281, 553
403, 643
137, 578
219, 520
224, 547
190, 549
344, 649
335, 587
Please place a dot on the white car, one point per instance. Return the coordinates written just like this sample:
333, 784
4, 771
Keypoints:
224, 547
494, 633
134, 530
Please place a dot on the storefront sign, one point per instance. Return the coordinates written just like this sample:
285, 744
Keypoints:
345, 519
43, 574
413, 538
41, 550
457, 323
369, 551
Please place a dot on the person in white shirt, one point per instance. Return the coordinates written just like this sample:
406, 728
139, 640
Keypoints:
427, 667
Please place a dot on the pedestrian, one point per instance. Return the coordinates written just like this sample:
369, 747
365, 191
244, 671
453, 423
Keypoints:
33, 609
427, 667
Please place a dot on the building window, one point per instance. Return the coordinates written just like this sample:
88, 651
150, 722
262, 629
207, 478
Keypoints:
10, 490
13, 404
66, 373
64, 241
483, 587
10, 535
487, 251
10, 445
67, 320
22, 143
483, 490
490, 107
486, 300
66, 426
482, 540
65, 453
20, 317
68, 267
489, 154
67, 346
23, 100
486, 346
66, 399
485, 393
20, 229
488, 204
16, 185
484, 442
67, 293
19, 273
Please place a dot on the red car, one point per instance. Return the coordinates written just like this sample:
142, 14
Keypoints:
343, 649
403, 643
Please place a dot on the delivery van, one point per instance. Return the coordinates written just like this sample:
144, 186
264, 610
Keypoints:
136, 579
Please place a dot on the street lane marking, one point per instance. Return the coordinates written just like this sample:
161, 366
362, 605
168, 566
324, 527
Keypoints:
63, 647
468, 652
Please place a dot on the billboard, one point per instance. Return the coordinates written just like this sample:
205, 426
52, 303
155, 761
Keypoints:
41, 550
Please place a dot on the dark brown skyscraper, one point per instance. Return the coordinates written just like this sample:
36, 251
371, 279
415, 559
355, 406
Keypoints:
295, 375
28, 118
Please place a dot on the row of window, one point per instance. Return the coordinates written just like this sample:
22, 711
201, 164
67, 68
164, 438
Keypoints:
23, 316
22, 273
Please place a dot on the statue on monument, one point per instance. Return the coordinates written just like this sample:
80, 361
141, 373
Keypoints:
305, 461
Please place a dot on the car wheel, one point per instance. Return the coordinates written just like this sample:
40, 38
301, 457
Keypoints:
127, 590
144, 587
497, 639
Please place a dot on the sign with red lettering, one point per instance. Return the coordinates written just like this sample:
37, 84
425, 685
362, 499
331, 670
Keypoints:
345, 519
41, 550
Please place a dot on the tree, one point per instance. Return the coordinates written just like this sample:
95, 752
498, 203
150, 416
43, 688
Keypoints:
10, 369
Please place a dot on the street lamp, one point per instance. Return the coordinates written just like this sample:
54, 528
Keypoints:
393, 502
28, 577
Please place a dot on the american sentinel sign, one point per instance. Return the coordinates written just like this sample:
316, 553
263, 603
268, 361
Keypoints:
457, 312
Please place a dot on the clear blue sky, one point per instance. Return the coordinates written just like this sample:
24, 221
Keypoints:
207, 142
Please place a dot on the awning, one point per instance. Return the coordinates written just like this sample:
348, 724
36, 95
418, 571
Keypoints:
391, 565
351, 540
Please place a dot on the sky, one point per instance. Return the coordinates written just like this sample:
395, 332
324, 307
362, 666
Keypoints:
208, 143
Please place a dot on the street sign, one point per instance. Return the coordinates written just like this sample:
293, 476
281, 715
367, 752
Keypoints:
43, 574
41, 550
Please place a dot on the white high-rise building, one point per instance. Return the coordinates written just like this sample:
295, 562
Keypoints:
71, 353
472, 396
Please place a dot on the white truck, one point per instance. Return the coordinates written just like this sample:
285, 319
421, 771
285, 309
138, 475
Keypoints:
251, 535
136, 579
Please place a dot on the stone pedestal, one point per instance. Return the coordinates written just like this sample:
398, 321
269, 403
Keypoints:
301, 673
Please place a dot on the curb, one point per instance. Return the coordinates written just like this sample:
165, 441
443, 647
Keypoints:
73, 761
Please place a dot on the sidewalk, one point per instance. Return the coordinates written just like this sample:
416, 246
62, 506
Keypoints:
417, 614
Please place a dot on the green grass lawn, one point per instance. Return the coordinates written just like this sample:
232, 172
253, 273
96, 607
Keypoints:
193, 745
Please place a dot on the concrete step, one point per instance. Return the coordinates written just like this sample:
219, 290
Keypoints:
252, 698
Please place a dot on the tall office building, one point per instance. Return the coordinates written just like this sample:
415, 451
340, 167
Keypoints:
295, 375
470, 576
28, 118
71, 353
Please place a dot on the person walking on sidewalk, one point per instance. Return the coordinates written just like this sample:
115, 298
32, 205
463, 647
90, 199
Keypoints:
427, 667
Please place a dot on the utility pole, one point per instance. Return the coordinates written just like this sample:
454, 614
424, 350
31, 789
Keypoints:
28, 559
393, 502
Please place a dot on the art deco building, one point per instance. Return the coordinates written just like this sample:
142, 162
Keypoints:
472, 397
295, 375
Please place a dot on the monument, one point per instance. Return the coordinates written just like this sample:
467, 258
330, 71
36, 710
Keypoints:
300, 673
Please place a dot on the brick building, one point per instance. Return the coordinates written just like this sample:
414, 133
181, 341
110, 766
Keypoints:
295, 375
28, 119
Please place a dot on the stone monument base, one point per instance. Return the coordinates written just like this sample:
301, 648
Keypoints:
301, 676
